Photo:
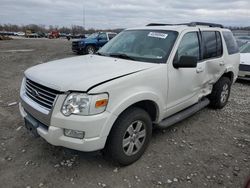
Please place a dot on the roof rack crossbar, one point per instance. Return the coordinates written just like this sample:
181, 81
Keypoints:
191, 24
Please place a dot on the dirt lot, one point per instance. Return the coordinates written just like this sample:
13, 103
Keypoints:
210, 149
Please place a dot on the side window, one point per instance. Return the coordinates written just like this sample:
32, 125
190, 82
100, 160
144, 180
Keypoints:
103, 36
212, 44
232, 46
209, 38
219, 44
189, 46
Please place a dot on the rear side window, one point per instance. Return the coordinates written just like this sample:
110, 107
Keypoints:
212, 44
219, 44
232, 46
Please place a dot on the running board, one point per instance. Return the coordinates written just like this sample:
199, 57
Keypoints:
183, 114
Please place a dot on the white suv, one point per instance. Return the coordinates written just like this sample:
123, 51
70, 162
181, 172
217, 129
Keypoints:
152, 76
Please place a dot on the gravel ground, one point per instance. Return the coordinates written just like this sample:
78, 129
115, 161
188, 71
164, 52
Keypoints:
209, 149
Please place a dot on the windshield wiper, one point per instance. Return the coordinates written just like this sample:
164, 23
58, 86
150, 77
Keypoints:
121, 55
101, 54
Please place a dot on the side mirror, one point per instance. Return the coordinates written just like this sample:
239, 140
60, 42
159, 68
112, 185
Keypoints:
186, 62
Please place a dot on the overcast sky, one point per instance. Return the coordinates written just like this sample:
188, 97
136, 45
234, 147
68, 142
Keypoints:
123, 13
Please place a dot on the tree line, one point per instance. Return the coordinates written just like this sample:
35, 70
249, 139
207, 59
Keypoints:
74, 29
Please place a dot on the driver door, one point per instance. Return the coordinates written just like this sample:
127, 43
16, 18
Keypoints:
102, 39
185, 83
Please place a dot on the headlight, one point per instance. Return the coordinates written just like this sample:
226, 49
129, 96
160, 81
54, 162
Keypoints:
22, 89
84, 104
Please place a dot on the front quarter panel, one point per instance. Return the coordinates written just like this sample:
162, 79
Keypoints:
150, 84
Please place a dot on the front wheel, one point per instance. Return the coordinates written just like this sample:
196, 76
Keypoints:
220, 93
129, 136
90, 49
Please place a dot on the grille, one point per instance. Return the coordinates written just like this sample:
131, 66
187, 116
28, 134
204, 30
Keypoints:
244, 67
75, 43
42, 95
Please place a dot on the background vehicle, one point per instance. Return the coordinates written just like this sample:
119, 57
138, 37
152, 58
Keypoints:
244, 69
91, 44
241, 40
31, 34
54, 34
152, 76
20, 34
78, 36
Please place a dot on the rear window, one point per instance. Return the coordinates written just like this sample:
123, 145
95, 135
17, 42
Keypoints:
232, 46
212, 44
111, 36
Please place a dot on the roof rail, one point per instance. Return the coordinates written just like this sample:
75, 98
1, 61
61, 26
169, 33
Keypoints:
191, 24
206, 24
158, 24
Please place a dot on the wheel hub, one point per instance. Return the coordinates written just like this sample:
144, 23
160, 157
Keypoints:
134, 138
224, 93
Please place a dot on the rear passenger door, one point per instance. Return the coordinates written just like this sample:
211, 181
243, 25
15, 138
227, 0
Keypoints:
212, 56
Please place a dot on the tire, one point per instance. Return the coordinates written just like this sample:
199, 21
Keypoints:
80, 52
122, 146
90, 49
220, 93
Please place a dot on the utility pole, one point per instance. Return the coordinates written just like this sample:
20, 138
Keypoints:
83, 15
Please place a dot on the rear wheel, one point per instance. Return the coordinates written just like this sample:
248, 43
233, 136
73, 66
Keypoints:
220, 93
130, 136
90, 49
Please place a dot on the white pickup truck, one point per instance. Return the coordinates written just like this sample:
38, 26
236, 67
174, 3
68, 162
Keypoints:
152, 76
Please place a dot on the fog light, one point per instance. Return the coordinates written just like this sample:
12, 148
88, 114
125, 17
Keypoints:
74, 133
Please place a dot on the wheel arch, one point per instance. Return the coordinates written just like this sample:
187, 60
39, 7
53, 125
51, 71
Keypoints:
229, 75
90, 44
151, 106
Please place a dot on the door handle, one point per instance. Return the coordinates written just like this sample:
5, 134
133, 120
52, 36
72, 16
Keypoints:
199, 70
222, 63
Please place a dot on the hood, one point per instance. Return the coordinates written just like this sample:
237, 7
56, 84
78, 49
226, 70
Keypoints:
83, 72
245, 58
85, 40
78, 40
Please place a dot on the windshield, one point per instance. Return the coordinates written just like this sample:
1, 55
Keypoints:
141, 45
94, 35
245, 48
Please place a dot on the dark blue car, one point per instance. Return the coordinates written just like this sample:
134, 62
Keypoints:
91, 44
